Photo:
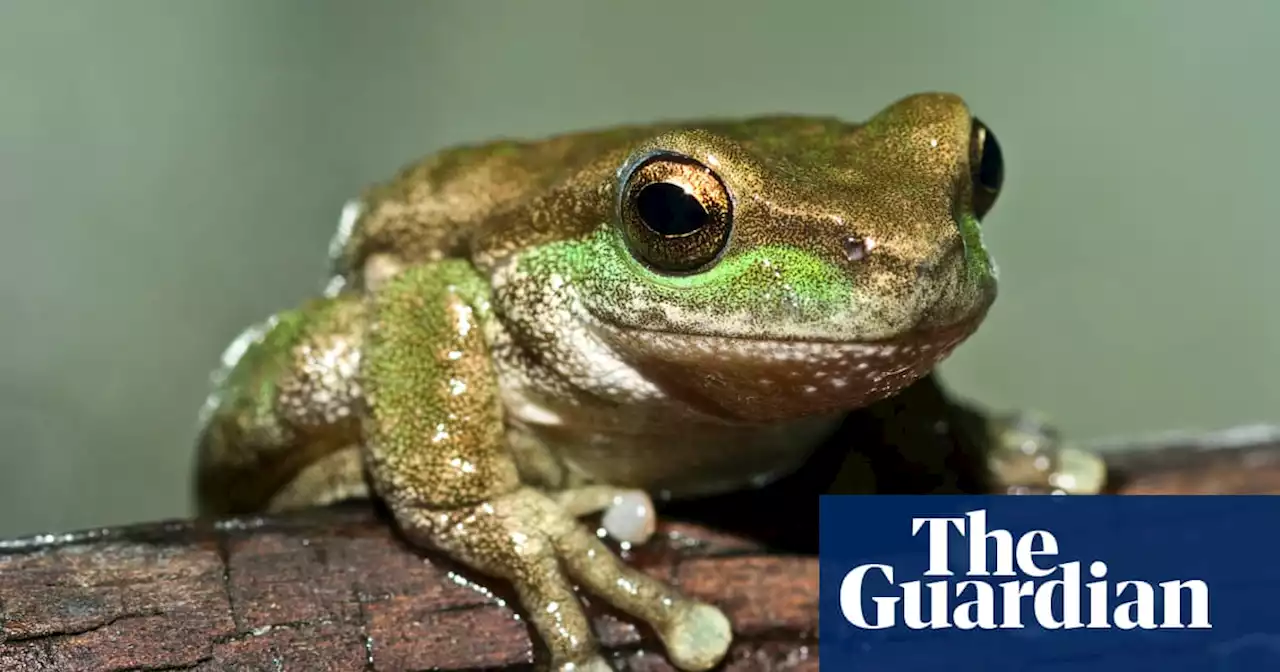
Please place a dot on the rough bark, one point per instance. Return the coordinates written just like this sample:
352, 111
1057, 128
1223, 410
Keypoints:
335, 589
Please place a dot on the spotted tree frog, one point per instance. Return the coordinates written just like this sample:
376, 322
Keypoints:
518, 334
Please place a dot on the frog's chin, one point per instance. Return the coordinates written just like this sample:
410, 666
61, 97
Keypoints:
762, 380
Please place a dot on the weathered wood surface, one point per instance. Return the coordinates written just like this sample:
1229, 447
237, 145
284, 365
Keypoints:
336, 590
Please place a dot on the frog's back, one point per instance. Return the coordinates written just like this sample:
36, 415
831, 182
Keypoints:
436, 207
514, 193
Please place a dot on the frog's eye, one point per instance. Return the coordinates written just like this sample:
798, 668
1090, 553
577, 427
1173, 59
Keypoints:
986, 168
675, 212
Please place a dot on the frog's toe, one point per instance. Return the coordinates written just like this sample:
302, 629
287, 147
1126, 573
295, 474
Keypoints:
1079, 472
1028, 455
630, 517
593, 664
698, 637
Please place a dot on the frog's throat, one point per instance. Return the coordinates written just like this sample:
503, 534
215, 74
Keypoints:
764, 380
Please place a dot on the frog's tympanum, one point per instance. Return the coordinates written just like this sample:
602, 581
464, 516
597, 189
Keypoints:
519, 334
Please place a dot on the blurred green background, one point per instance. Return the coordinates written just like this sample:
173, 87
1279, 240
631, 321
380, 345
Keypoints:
170, 172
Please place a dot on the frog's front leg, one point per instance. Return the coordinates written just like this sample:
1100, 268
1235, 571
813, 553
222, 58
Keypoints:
1027, 454
1022, 452
942, 444
434, 442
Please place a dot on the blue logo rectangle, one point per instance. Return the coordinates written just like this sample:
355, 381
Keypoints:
1004, 583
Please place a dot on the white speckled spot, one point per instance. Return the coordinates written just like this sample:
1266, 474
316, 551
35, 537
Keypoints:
231, 356
351, 212
335, 286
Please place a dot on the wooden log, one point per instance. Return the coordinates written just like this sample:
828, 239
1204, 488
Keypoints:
335, 589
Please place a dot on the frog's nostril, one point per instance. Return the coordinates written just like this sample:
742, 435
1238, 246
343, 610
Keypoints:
856, 248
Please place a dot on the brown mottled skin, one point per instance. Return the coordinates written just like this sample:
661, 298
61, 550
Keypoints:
522, 333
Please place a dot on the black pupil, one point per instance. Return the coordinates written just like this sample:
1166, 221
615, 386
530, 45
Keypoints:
991, 169
670, 210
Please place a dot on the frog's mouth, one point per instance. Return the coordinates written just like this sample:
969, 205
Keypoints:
763, 380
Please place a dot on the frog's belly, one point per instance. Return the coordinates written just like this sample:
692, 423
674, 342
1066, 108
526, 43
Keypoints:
679, 458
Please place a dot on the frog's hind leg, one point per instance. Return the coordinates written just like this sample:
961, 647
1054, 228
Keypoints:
336, 477
280, 430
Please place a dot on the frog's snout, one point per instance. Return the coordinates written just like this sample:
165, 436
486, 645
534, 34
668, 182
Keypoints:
947, 292
950, 256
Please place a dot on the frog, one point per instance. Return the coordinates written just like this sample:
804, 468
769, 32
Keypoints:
521, 334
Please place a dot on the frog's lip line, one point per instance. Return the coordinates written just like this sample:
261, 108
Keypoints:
940, 335
944, 336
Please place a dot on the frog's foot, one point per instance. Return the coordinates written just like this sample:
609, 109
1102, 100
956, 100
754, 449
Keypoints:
531, 540
1029, 456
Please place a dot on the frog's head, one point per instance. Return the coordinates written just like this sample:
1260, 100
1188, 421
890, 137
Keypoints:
783, 266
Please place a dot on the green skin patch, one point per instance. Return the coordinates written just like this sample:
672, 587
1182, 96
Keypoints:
980, 262
777, 285
256, 375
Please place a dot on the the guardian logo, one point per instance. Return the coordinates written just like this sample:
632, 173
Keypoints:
1008, 580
